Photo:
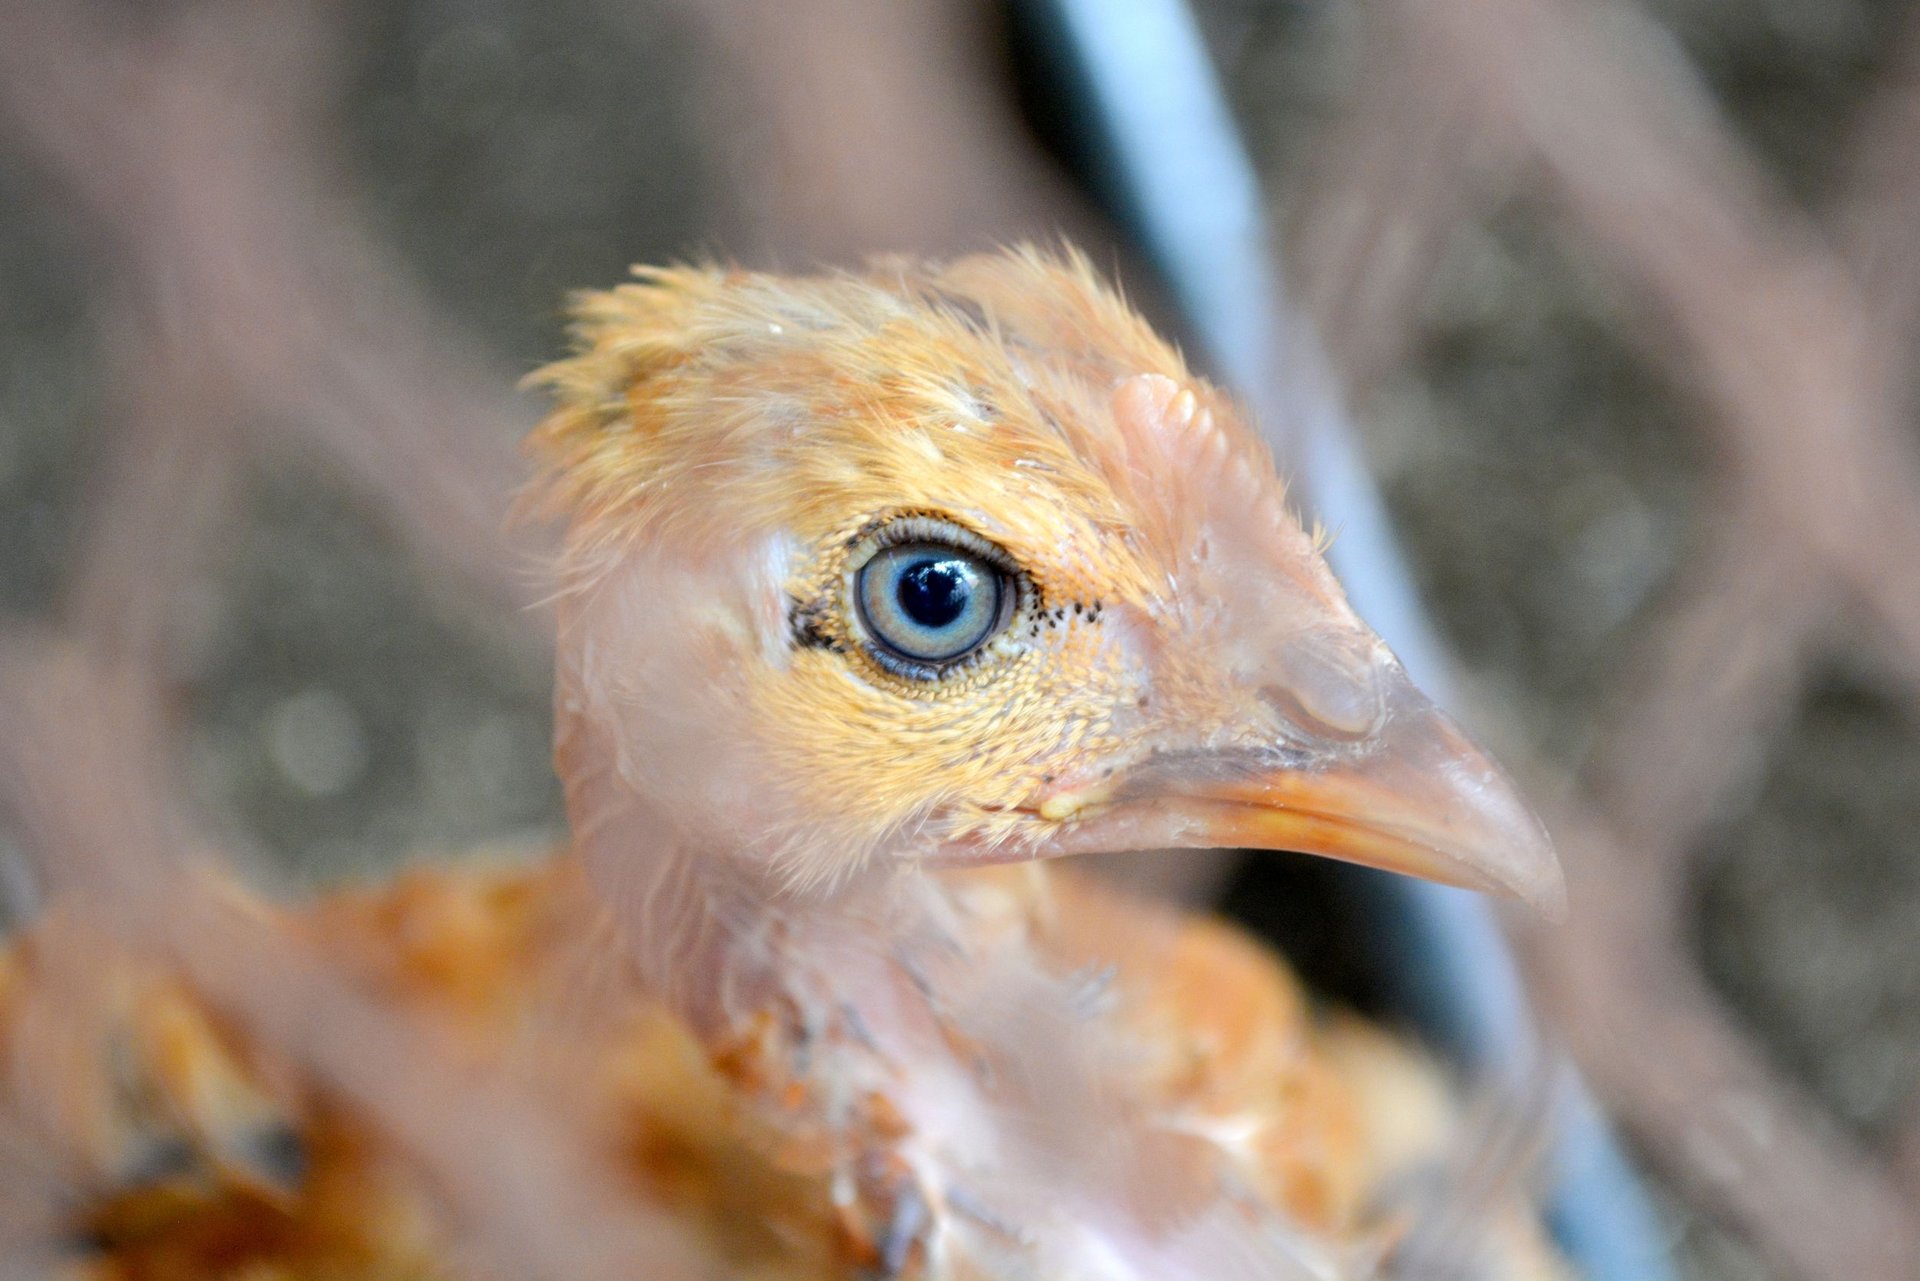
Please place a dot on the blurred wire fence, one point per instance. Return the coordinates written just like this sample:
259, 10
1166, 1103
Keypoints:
247, 310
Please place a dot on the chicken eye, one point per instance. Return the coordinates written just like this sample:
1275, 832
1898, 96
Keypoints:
929, 602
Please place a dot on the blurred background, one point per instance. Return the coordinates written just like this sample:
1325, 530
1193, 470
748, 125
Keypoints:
1621, 297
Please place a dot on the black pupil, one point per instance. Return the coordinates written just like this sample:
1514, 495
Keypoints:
933, 593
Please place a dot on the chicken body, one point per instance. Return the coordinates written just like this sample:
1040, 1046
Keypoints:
185, 1152
878, 590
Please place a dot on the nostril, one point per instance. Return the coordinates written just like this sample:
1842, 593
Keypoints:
1328, 690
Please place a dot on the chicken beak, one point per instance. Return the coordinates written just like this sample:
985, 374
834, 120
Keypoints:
1424, 800
1416, 796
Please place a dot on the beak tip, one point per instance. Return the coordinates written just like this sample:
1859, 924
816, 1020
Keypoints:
1537, 879
1504, 846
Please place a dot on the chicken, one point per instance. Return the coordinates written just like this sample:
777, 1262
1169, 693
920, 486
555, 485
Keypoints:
880, 592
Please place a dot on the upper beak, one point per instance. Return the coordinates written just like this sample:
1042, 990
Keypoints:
1417, 797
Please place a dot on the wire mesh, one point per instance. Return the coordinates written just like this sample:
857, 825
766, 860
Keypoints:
246, 312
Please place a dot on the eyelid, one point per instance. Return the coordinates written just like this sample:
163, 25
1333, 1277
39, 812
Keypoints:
919, 528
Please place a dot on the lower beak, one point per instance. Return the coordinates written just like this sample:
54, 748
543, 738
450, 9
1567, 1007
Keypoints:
1418, 797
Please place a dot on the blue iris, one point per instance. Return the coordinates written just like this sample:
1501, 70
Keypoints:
929, 602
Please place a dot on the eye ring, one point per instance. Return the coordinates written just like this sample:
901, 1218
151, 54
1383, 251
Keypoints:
930, 596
